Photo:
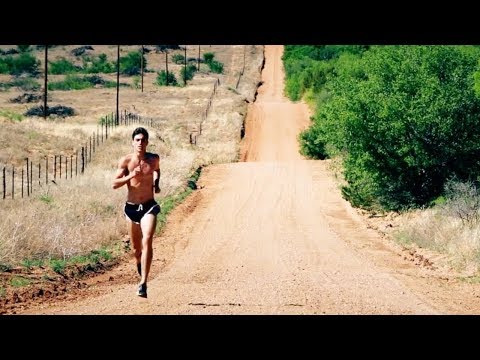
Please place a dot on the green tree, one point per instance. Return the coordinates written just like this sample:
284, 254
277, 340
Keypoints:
406, 125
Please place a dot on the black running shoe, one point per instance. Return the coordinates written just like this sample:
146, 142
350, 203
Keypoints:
142, 290
139, 269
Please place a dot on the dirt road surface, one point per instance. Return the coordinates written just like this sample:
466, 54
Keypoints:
272, 235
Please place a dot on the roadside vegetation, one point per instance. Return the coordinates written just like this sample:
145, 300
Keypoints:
73, 225
404, 123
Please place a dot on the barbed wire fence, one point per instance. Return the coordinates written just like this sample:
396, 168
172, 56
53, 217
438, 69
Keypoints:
198, 131
243, 67
21, 182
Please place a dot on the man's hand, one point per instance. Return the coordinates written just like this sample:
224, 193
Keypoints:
136, 171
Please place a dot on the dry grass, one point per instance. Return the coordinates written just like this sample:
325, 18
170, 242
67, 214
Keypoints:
432, 229
83, 213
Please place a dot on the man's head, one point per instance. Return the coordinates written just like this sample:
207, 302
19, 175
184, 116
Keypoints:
140, 130
140, 139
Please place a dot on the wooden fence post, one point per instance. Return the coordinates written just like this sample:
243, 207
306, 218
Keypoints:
28, 181
31, 177
4, 184
83, 160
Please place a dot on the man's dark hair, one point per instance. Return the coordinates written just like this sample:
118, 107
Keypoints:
140, 130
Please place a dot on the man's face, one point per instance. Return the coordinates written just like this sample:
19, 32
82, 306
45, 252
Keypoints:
139, 142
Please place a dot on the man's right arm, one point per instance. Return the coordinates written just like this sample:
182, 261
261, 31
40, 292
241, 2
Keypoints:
120, 177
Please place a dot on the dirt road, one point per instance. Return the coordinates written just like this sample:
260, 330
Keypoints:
272, 235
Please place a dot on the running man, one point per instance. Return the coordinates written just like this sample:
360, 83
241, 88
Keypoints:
140, 170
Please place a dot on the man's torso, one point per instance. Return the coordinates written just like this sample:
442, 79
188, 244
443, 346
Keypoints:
140, 188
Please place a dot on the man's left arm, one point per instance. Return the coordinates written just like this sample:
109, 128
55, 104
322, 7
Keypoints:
156, 175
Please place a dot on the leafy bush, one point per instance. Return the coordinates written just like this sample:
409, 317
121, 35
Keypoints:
215, 66
71, 82
95, 65
23, 63
312, 144
26, 84
132, 63
188, 72
178, 59
61, 66
163, 48
23, 48
208, 57
162, 78
75, 82
4, 68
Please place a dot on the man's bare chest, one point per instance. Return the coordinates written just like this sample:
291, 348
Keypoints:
146, 166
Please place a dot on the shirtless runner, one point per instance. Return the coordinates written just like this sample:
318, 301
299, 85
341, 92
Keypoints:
140, 170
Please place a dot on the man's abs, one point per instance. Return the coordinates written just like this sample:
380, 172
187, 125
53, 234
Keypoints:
140, 192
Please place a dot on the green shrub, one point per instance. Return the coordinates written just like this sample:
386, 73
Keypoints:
162, 78
61, 66
215, 66
132, 63
71, 82
58, 265
188, 72
23, 48
312, 143
4, 68
17, 65
26, 84
178, 59
208, 57
95, 65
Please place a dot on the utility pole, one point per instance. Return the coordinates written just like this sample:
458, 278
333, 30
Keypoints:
118, 81
166, 63
142, 66
185, 67
198, 59
46, 83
